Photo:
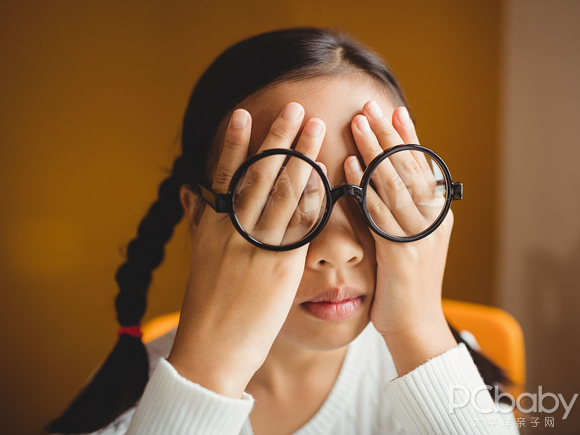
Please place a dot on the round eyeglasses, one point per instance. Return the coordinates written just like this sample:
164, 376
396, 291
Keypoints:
280, 199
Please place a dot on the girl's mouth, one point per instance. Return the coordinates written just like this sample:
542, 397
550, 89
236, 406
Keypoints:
334, 311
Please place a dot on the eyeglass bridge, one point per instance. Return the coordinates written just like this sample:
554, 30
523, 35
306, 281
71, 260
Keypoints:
346, 190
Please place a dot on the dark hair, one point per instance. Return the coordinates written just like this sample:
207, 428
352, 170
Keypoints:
254, 64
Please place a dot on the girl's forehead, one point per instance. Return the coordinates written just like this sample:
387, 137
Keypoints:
335, 100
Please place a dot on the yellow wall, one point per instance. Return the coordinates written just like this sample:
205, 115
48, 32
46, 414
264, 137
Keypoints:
91, 98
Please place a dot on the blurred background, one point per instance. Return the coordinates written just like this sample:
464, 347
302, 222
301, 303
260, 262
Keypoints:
92, 96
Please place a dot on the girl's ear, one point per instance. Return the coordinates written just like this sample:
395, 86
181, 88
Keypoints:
193, 205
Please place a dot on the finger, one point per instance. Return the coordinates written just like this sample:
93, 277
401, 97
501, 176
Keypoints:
309, 210
234, 150
284, 128
405, 164
378, 210
309, 144
258, 180
385, 179
430, 200
388, 137
289, 187
411, 173
386, 133
404, 125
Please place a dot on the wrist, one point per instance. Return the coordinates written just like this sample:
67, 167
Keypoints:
414, 345
222, 380
210, 362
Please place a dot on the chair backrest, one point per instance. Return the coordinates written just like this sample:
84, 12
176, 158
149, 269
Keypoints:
159, 325
497, 332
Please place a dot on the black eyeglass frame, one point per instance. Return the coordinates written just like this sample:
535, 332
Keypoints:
224, 202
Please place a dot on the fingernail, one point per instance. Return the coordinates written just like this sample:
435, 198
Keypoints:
313, 128
404, 117
239, 119
292, 112
363, 124
375, 111
353, 164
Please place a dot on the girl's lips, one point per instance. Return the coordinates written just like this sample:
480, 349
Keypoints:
334, 311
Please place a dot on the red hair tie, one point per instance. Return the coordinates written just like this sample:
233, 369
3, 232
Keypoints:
134, 330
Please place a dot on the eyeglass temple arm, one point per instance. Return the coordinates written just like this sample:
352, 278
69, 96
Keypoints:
218, 201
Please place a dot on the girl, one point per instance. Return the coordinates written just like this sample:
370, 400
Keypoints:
316, 321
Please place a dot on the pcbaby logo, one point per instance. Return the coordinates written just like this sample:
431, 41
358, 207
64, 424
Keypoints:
537, 400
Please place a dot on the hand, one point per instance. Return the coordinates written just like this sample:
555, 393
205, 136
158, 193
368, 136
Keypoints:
239, 295
409, 275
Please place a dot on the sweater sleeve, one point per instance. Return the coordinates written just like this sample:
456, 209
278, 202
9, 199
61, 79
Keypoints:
447, 395
172, 405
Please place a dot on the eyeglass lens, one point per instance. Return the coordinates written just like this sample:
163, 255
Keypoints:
413, 188
279, 199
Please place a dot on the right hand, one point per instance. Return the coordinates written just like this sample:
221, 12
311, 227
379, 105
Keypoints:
239, 295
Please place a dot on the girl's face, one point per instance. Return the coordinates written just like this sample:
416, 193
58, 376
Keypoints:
343, 254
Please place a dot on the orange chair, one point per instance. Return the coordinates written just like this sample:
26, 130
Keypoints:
159, 325
497, 332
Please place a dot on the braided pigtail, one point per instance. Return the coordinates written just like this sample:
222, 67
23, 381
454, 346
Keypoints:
491, 373
120, 381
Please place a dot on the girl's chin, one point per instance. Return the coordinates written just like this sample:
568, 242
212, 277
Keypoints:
314, 334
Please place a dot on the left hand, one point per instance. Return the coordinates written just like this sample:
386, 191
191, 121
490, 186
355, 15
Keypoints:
409, 275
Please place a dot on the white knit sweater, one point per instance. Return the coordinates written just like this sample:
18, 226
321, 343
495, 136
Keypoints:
367, 398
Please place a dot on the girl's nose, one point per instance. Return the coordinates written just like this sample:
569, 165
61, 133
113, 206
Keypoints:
336, 245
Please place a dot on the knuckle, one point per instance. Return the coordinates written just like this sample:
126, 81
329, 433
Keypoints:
387, 129
423, 164
308, 145
257, 173
279, 133
314, 189
379, 210
411, 165
234, 138
283, 189
302, 218
223, 176
395, 183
